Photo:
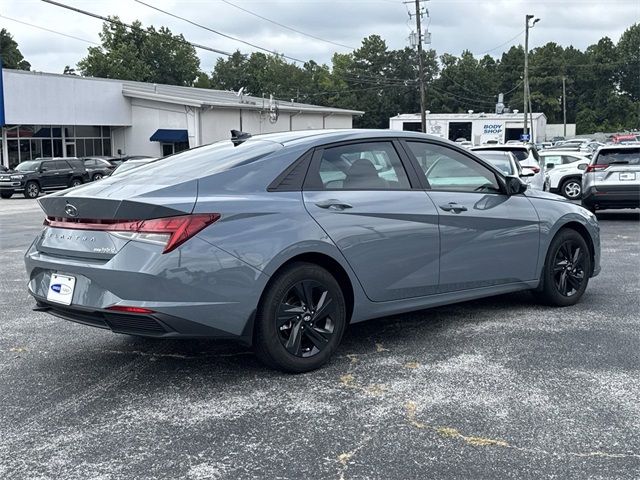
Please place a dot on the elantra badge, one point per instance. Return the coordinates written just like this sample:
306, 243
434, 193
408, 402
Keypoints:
71, 210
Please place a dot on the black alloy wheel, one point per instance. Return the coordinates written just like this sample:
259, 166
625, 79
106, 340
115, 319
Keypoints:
97, 176
31, 190
305, 319
76, 182
569, 268
300, 319
566, 271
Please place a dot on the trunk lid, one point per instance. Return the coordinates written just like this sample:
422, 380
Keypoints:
124, 198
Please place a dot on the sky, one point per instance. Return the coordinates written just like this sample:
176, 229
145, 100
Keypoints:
481, 26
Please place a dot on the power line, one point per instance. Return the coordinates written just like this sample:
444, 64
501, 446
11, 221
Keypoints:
215, 31
49, 30
497, 47
118, 22
286, 26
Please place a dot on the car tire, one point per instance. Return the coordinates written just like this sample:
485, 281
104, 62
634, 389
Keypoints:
571, 189
97, 176
567, 269
300, 320
31, 190
6, 194
75, 182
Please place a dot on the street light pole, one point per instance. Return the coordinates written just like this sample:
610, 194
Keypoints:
526, 67
564, 104
423, 115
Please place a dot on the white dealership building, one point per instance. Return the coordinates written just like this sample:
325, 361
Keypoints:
475, 127
44, 115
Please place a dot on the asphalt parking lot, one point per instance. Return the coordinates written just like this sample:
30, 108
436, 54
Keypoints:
497, 388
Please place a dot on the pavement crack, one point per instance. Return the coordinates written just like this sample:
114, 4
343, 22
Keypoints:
345, 458
453, 433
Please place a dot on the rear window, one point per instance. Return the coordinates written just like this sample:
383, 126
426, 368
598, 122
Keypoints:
520, 153
630, 156
499, 160
209, 159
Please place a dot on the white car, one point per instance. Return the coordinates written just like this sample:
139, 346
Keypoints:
563, 172
528, 157
507, 163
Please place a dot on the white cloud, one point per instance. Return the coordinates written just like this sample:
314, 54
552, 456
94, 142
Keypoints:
477, 25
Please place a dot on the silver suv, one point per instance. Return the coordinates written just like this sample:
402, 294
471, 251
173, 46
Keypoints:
612, 179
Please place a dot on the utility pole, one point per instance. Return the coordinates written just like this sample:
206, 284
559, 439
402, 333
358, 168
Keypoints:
526, 66
564, 104
418, 41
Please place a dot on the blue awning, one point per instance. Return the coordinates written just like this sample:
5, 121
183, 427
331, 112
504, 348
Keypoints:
169, 136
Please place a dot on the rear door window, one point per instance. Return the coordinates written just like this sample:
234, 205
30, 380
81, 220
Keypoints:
360, 166
555, 160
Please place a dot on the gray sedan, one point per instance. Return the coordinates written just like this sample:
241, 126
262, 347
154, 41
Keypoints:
282, 240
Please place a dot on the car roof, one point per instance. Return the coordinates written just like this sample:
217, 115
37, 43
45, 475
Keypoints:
618, 147
504, 147
322, 136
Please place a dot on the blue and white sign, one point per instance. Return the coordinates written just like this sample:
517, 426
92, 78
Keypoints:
525, 137
492, 129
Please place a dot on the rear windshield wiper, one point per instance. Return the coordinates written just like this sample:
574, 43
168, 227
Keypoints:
619, 162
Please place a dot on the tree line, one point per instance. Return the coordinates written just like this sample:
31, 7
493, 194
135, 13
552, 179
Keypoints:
602, 82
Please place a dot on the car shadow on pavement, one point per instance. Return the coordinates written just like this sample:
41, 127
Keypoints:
225, 357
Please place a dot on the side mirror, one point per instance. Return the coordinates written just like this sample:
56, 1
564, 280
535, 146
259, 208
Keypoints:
43, 169
550, 165
582, 166
514, 185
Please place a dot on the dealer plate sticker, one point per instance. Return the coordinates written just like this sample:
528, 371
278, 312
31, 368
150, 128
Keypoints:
627, 175
61, 288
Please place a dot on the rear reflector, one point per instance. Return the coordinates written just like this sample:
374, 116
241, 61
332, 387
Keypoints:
170, 231
126, 309
595, 168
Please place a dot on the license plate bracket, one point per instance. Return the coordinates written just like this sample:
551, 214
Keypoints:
61, 288
626, 176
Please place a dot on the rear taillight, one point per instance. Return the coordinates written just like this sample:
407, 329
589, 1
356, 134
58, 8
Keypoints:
127, 309
169, 231
595, 168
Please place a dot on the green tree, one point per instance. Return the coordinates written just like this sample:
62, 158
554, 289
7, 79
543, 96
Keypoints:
466, 83
628, 50
10, 53
149, 55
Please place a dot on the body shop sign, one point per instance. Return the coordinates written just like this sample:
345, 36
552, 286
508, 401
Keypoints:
492, 129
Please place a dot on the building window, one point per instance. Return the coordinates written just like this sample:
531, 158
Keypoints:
28, 142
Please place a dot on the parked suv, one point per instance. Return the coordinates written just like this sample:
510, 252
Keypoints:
43, 174
98, 167
563, 172
612, 179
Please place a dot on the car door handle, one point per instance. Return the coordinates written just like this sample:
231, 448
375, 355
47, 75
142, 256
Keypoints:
333, 204
453, 207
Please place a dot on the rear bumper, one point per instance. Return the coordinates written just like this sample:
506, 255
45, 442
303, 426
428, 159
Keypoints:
197, 290
612, 197
158, 325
